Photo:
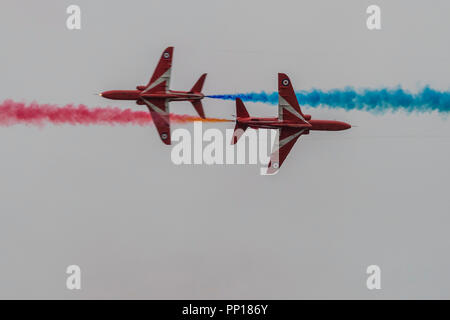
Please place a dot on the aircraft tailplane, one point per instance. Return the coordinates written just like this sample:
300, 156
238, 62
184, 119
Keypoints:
238, 132
198, 106
198, 86
241, 112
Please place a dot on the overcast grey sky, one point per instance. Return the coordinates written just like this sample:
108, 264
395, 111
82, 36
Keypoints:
110, 200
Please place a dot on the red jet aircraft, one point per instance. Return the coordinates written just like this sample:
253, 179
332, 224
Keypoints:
156, 95
291, 122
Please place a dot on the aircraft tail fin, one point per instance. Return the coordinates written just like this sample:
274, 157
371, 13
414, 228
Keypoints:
198, 106
198, 86
239, 130
241, 112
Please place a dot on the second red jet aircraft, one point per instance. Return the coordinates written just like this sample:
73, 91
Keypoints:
291, 123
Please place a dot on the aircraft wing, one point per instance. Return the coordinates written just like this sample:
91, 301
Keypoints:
159, 109
160, 81
286, 139
288, 107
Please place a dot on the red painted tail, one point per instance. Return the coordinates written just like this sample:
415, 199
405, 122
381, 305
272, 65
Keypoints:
239, 130
241, 112
198, 86
198, 106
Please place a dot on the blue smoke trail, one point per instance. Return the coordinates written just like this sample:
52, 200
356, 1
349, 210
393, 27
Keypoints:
372, 100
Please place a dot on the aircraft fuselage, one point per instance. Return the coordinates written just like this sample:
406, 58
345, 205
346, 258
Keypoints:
141, 94
275, 123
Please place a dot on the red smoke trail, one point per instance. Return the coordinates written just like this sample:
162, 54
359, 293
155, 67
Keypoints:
12, 113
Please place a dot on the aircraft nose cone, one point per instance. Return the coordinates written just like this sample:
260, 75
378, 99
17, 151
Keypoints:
339, 125
106, 94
